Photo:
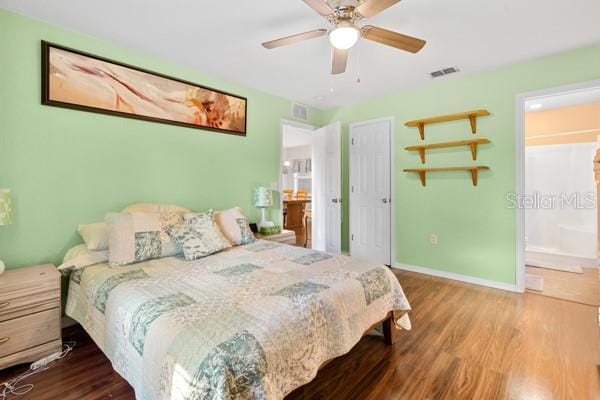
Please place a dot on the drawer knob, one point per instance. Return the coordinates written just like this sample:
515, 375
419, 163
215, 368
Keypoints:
3, 340
6, 303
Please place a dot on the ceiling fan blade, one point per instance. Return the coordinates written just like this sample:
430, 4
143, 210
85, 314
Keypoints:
295, 38
320, 7
371, 8
394, 39
339, 60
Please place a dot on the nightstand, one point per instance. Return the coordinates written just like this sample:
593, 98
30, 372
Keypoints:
287, 237
29, 314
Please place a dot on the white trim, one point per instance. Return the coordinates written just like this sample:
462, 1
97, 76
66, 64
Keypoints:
286, 122
458, 277
521, 99
392, 122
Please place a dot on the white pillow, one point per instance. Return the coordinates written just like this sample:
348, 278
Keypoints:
235, 226
169, 214
95, 235
80, 256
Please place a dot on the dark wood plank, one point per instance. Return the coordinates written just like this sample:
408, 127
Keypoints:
389, 331
467, 342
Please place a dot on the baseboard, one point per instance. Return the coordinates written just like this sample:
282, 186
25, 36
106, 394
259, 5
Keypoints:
458, 277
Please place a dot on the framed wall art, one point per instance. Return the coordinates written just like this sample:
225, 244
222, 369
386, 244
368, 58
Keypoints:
82, 81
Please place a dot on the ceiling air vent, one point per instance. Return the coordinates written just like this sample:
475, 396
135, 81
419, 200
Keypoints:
300, 111
444, 72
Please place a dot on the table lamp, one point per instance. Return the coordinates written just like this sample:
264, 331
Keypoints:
263, 198
5, 212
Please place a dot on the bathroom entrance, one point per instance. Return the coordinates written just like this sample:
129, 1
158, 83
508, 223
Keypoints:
561, 135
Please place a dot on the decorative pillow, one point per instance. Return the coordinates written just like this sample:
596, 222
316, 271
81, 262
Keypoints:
135, 237
201, 219
169, 214
235, 226
200, 236
95, 235
80, 256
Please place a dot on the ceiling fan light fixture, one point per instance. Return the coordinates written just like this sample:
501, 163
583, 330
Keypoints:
344, 36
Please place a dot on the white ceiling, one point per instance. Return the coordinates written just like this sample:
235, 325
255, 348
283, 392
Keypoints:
222, 37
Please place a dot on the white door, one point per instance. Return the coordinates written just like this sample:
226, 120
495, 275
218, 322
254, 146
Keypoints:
327, 189
370, 190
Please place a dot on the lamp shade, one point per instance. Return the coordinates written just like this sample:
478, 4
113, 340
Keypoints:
5, 207
263, 197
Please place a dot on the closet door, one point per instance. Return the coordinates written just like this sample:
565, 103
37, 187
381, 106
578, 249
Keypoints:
370, 191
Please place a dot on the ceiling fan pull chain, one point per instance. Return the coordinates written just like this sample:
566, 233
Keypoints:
358, 62
331, 89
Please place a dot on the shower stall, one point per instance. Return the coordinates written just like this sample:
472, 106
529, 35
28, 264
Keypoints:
562, 219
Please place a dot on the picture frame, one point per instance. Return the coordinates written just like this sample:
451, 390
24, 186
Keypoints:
82, 81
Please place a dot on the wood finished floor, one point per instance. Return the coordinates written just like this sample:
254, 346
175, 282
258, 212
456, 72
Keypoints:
467, 342
580, 288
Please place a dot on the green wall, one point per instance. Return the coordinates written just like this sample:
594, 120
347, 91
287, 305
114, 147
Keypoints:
476, 229
68, 167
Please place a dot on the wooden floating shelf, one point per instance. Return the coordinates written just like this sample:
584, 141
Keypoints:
470, 115
423, 172
472, 143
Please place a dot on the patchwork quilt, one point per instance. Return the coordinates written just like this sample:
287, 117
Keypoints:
252, 322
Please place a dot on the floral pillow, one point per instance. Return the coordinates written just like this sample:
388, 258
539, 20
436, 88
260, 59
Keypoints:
199, 236
235, 226
134, 237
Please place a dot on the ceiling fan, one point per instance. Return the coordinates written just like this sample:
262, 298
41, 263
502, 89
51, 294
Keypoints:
346, 32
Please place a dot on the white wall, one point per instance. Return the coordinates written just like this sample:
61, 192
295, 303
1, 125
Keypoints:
297, 153
554, 170
295, 137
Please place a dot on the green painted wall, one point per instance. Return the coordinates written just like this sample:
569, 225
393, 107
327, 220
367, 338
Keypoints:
476, 230
67, 167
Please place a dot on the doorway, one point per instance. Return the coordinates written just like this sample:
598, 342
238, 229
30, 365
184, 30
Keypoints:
558, 241
311, 184
295, 180
372, 213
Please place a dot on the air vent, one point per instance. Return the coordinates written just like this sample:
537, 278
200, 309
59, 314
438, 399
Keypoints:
444, 72
300, 111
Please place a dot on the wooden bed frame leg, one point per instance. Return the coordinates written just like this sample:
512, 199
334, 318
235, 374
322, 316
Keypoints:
389, 331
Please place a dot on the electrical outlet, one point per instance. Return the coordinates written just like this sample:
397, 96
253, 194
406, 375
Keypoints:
433, 238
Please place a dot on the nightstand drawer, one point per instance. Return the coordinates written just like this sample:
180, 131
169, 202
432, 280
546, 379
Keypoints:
30, 331
11, 308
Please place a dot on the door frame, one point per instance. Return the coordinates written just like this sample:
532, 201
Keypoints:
521, 99
282, 123
392, 166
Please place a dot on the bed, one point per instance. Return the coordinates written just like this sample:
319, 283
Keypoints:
251, 322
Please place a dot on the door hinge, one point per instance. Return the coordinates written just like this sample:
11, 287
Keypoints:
352, 141
352, 188
352, 237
